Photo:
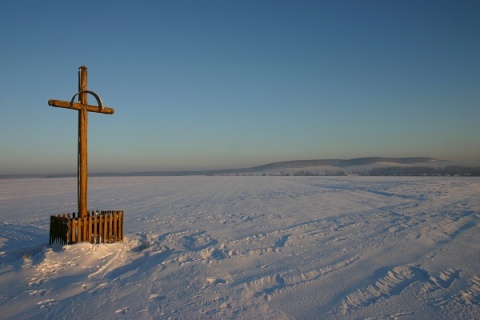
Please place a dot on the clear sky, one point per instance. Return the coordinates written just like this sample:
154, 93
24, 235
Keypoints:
230, 84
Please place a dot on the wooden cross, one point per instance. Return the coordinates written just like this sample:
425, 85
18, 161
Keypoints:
83, 108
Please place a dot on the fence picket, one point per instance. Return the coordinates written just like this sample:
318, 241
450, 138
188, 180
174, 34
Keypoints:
74, 229
105, 227
95, 231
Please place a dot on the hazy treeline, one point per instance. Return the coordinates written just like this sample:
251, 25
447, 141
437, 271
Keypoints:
425, 171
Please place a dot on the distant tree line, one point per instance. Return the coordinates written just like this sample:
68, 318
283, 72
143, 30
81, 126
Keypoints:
309, 173
425, 171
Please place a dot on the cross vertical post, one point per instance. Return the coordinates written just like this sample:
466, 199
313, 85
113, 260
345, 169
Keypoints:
82, 173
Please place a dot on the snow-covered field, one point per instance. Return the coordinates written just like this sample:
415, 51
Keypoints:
247, 248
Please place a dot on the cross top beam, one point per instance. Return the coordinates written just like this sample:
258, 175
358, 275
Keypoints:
83, 108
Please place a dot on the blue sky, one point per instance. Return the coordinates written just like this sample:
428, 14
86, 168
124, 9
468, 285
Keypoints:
229, 84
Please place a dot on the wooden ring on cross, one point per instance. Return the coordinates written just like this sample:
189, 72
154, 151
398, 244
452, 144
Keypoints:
97, 97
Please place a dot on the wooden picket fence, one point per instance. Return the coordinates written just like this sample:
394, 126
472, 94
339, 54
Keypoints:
96, 227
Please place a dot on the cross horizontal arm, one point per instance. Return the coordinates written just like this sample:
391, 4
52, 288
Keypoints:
79, 106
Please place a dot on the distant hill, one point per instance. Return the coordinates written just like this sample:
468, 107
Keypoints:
319, 166
342, 163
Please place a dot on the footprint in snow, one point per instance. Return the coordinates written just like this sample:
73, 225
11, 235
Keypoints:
46, 304
155, 296
123, 310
